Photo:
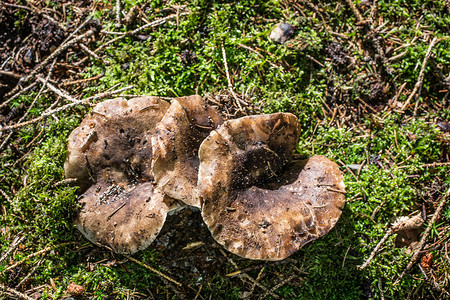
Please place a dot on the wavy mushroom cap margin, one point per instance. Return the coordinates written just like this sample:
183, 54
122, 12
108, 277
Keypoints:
257, 203
110, 155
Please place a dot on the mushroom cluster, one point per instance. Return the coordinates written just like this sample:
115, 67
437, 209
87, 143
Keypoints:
137, 160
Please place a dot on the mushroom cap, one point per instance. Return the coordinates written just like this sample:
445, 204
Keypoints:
114, 142
110, 155
124, 219
178, 136
272, 211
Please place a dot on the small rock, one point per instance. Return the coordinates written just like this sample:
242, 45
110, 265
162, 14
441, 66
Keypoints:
444, 126
75, 289
282, 33
354, 167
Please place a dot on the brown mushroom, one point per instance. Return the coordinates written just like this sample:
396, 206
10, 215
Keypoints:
256, 203
110, 155
178, 136
125, 219
114, 142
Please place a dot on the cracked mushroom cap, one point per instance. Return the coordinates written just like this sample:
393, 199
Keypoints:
110, 155
178, 136
256, 203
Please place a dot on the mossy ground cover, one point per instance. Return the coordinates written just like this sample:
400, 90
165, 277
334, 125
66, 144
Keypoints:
347, 73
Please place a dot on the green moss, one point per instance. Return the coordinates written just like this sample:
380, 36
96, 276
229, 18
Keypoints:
173, 59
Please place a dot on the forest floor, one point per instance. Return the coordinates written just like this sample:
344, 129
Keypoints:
369, 81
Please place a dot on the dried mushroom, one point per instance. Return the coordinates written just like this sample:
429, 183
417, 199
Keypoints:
110, 155
178, 136
257, 203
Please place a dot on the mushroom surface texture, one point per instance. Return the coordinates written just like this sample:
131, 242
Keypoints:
110, 155
257, 203
125, 219
178, 136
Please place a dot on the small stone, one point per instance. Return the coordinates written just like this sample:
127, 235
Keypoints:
444, 126
282, 33
75, 289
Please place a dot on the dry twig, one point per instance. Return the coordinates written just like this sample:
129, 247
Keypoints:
13, 292
30, 273
131, 32
46, 249
277, 286
425, 235
13, 246
18, 94
375, 250
436, 164
45, 115
118, 10
247, 277
52, 56
402, 223
230, 85
108, 94
355, 11
268, 264
35, 10
6, 197
81, 81
79, 28
57, 91
5, 142
153, 270
419, 82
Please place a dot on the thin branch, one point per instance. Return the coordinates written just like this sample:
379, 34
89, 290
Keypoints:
35, 10
375, 250
44, 115
78, 29
14, 292
436, 164
422, 71
52, 56
46, 249
13, 246
247, 277
268, 264
230, 85
58, 51
355, 11
18, 94
30, 273
425, 236
81, 81
108, 94
90, 52
118, 10
65, 181
57, 91
5, 142
153, 270
257, 53
280, 284
131, 32
7, 199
